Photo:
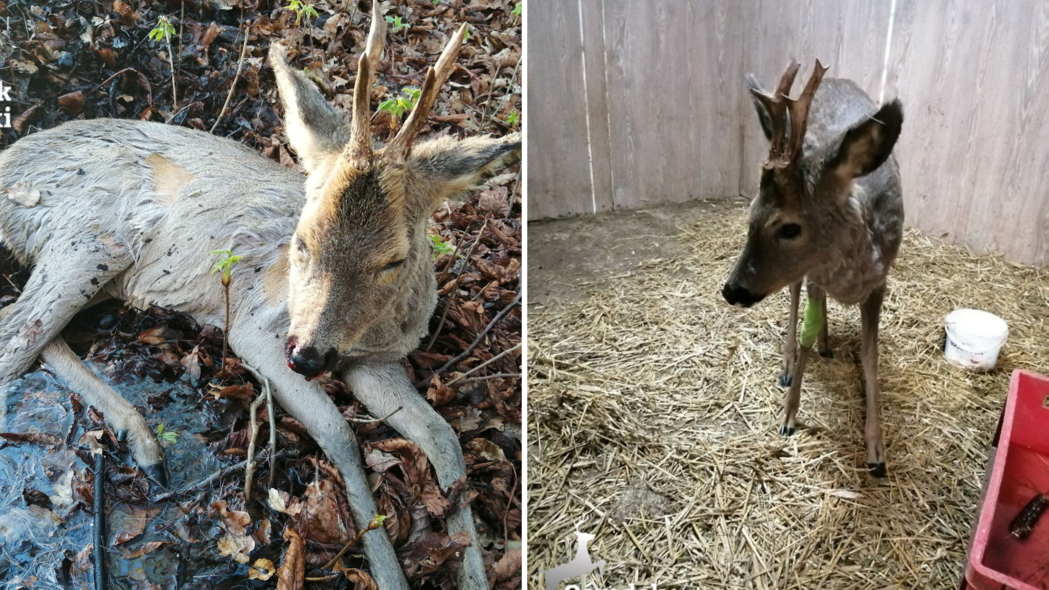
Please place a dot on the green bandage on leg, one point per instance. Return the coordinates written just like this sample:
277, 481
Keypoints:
812, 323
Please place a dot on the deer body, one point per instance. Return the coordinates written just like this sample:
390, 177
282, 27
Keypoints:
336, 270
830, 214
578, 567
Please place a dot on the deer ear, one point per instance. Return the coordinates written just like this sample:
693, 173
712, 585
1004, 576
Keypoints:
442, 168
868, 144
315, 129
763, 114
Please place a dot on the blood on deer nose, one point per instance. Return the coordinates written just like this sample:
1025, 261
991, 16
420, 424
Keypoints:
739, 295
308, 361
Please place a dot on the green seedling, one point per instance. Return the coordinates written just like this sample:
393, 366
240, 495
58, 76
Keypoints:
440, 248
399, 106
397, 24
166, 436
301, 10
164, 31
225, 266
514, 117
517, 11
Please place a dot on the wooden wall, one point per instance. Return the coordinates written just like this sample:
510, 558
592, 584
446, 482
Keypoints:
661, 114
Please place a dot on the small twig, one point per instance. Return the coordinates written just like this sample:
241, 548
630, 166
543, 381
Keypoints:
484, 364
264, 396
455, 286
477, 340
207, 481
113, 76
171, 62
100, 521
509, 506
233, 88
451, 263
495, 376
374, 524
376, 420
509, 93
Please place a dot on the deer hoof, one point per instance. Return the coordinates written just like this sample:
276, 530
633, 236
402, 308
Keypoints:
877, 469
786, 430
784, 380
156, 473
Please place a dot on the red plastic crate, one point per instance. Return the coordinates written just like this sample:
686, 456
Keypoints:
1021, 470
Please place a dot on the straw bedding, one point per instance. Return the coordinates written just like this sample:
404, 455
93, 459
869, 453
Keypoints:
653, 409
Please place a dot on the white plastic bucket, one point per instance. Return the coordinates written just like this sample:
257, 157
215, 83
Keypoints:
974, 339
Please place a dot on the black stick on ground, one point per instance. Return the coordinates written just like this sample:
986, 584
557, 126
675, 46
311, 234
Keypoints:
100, 521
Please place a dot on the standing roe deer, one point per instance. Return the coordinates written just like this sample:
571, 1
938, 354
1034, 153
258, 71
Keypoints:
829, 211
130, 209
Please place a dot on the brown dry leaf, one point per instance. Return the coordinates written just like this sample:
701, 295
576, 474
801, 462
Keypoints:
234, 521
145, 549
509, 565
324, 520
191, 363
263, 569
472, 315
157, 334
433, 550
262, 532
503, 271
283, 502
416, 470
438, 393
495, 201
236, 546
234, 392
486, 449
292, 572
40, 438
72, 103
130, 522
380, 461
19, 122
361, 579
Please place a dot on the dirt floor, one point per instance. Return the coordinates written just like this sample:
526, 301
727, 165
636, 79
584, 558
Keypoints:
653, 412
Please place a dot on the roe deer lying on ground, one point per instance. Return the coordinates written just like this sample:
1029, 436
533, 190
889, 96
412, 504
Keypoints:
343, 268
829, 211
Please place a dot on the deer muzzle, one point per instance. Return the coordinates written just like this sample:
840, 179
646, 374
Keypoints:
737, 294
309, 361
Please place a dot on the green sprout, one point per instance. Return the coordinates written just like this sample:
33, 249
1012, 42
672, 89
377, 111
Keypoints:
399, 106
514, 117
225, 266
166, 436
397, 23
163, 30
517, 11
301, 10
439, 247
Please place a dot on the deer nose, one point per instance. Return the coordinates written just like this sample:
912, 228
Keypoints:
308, 361
738, 295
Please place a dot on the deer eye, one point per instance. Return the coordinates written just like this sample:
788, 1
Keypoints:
393, 265
789, 231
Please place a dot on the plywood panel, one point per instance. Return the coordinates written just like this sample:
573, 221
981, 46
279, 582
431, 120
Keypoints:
848, 37
974, 79
597, 105
558, 165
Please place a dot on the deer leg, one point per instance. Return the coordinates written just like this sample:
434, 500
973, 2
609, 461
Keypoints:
60, 285
307, 403
870, 313
119, 413
823, 342
384, 389
790, 345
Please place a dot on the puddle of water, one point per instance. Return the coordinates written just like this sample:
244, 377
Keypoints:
47, 548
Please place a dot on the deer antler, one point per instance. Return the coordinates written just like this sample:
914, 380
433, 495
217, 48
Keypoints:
784, 151
398, 149
359, 149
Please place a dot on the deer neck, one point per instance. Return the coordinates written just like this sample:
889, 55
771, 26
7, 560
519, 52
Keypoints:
854, 263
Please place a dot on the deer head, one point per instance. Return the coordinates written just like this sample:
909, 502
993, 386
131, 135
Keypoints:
353, 249
807, 194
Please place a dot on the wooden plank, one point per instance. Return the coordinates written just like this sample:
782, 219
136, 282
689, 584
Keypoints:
558, 165
849, 37
597, 103
972, 77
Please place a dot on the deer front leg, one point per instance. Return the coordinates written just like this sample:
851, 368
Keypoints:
308, 404
815, 314
870, 313
383, 389
790, 345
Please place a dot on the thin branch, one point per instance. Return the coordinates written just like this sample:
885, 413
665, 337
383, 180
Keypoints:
485, 364
495, 376
477, 340
455, 286
100, 521
376, 420
375, 523
509, 93
264, 396
171, 61
209, 480
232, 89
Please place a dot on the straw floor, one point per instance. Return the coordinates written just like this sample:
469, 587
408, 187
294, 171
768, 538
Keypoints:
653, 408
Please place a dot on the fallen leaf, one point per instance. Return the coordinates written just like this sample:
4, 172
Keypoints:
292, 572
361, 579
234, 521
145, 549
324, 520
191, 363
507, 566
438, 393
434, 550
157, 334
278, 501
23, 194
495, 201
263, 569
129, 522
416, 470
236, 546
40, 438
72, 103
20, 121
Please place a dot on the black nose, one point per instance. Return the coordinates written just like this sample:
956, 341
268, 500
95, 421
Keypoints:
308, 361
737, 295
